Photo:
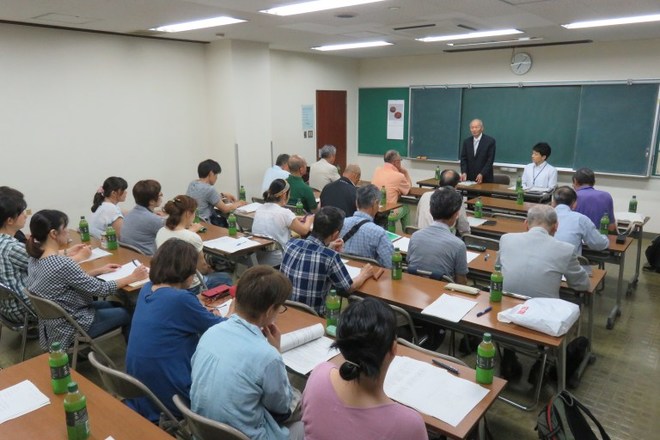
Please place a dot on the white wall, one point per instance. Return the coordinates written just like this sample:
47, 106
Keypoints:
76, 108
581, 63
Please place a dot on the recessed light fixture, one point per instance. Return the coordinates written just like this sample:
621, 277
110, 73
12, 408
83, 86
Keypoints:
483, 34
314, 6
352, 46
612, 21
198, 24
484, 43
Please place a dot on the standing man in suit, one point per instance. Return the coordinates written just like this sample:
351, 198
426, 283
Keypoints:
477, 155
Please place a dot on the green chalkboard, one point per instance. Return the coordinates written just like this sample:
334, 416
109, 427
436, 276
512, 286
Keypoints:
372, 121
519, 117
615, 128
435, 121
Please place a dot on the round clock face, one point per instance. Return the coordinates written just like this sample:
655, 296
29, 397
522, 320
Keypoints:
521, 63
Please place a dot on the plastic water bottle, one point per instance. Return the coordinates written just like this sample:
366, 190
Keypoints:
332, 306
241, 193
437, 174
391, 222
397, 264
300, 209
518, 183
58, 361
632, 205
520, 196
478, 208
197, 218
604, 224
496, 281
485, 360
112, 238
83, 227
383, 196
231, 221
77, 419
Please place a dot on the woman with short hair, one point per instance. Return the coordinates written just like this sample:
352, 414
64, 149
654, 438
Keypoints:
141, 224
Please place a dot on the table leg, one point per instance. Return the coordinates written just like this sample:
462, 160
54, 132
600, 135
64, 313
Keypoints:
616, 310
633, 282
590, 357
561, 366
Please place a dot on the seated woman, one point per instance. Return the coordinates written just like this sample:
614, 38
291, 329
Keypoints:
60, 279
141, 224
276, 221
167, 324
105, 211
353, 394
238, 375
539, 173
179, 224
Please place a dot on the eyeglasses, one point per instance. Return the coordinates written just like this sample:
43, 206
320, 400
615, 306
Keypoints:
282, 309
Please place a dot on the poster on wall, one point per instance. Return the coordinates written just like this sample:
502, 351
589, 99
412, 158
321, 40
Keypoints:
395, 112
308, 121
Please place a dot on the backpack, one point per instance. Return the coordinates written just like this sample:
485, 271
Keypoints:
564, 419
653, 254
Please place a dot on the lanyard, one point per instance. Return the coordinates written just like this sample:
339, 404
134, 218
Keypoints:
538, 174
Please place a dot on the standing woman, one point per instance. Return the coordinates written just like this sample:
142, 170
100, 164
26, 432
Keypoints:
58, 278
167, 324
366, 337
276, 221
105, 211
179, 224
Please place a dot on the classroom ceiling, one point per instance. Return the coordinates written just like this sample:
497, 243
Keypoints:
396, 21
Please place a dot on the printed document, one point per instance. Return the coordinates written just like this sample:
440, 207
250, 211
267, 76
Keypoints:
304, 349
20, 399
449, 307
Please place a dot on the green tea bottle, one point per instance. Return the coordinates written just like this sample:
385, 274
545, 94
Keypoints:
77, 419
58, 361
485, 360
83, 227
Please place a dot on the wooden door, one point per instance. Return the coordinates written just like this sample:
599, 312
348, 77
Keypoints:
331, 122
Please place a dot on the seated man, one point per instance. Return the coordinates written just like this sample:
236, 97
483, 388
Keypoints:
592, 202
396, 180
539, 173
324, 171
141, 224
207, 197
278, 171
313, 265
435, 248
447, 178
342, 193
299, 189
533, 262
361, 235
575, 228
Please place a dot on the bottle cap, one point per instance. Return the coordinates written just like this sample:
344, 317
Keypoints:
396, 249
333, 292
72, 387
82, 217
498, 267
487, 337
56, 346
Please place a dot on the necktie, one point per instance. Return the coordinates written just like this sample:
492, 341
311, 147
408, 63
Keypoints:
476, 144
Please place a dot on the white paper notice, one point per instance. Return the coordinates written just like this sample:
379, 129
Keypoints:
20, 399
471, 256
450, 308
402, 243
395, 118
474, 222
97, 253
249, 208
231, 245
432, 390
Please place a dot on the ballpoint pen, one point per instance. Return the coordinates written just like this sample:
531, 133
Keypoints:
136, 263
445, 366
486, 310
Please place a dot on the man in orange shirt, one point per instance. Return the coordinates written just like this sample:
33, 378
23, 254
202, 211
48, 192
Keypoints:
396, 180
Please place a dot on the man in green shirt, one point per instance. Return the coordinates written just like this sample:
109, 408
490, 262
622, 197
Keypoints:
299, 189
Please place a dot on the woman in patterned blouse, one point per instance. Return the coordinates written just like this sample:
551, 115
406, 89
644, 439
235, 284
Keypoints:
60, 279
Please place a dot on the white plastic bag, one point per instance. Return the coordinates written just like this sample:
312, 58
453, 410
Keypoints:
551, 316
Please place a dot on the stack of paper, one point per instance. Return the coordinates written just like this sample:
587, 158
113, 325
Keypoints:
122, 272
402, 243
231, 245
249, 207
97, 253
432, 390
471, 256
449, 307
304, 349
629, 217
474, 222
20, 399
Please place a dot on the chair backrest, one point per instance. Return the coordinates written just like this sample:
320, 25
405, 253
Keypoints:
131, 247
429, 274
404, 319
8, 295
501, 178
257, 200
206, 429
360, 258
510, 216
300, 306
410, 229
431, 353
124, 386
244, 222
488, 243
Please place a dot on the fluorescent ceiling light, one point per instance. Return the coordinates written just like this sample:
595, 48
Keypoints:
313, 6
352, 46
483, 34
484, 43
612, 21
198, 24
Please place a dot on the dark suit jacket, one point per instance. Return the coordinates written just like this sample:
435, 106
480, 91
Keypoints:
341, 194
483, 162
